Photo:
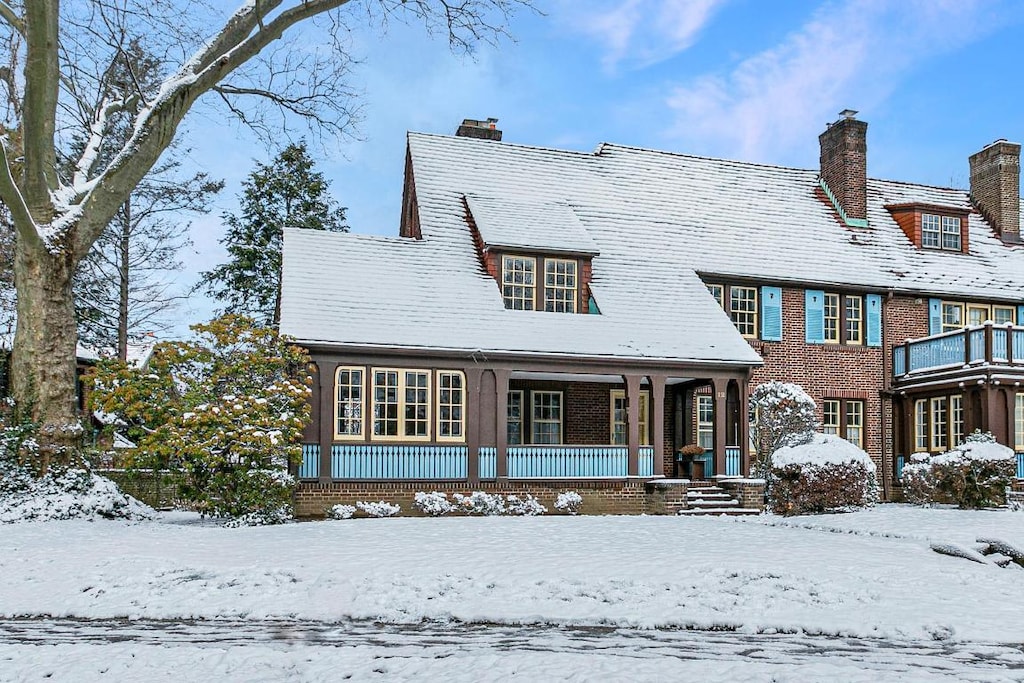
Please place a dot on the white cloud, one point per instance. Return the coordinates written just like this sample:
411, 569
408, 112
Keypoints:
640, 32
849, 54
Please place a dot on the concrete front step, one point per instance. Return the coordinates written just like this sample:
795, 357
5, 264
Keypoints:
716, 503
700, 495
730, 511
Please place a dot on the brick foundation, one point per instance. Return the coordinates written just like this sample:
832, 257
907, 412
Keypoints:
749, 492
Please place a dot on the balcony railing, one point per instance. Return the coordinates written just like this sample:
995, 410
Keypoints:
405, 462
984, 344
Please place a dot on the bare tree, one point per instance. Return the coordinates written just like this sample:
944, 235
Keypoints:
57, 55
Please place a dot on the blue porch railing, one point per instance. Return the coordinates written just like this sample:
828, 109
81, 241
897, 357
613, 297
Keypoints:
567, 462
646, 464
732, 461
1020, 465
488, 462
372, 461
900, 462
310, 467
995, 344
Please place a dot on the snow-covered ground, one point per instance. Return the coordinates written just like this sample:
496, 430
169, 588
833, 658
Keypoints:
867, 575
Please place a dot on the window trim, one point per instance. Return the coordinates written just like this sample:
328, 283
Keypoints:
1018, 421
534, 420
938, 440
461, 438
925, 425
859, 320
942, 232
1002, 307
338, 436
842, 412
861, 427
838, 318
842, 318
949, 327
532, 299
401, 388
710, 428
753, 313
644, 420
965, 307
522, 415
921, 426
573, 300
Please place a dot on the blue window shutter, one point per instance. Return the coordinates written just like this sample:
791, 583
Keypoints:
814, 316
874, 303
1020, 317
771, 313
934, 316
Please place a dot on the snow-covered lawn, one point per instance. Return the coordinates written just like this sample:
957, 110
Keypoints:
869, 574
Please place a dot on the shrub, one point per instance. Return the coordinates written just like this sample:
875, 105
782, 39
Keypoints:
379, 509
781, 414
569, 501
340, 512
527, 507
480, 503
975, 474
434, 504
827, 474
918, 482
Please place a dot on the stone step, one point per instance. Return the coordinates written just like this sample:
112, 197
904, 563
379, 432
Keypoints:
732, 512
703, 504
706, 490
700, 495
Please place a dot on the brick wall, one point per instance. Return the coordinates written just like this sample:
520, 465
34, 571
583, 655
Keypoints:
749, 492
156, 489
621, 497
844, 164
995, 186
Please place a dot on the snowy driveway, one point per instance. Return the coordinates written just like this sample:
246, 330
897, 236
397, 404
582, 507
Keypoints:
68, 649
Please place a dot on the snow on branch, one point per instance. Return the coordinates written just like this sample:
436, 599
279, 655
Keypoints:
13, 198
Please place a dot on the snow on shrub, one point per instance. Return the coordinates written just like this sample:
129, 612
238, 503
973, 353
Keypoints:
569, 501
480, 503
527, 507
379, 509
781, 414
340, 511
827, 474
435, 503
262, 517
64, 494
973, 475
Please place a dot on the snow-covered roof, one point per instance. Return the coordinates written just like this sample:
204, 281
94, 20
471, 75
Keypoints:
655, 220
534, 226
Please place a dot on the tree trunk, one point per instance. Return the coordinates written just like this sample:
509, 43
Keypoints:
43, 378
123, 274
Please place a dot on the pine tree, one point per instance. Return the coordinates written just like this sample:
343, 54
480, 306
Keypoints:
288, 192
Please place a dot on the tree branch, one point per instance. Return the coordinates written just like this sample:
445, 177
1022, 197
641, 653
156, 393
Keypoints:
11, 195
11, 18
42, 82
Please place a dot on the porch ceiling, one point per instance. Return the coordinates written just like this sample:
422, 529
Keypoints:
586, 377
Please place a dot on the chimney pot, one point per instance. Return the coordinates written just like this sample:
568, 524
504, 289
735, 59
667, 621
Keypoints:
484, 130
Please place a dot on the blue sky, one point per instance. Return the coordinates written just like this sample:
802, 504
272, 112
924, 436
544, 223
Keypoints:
755, 80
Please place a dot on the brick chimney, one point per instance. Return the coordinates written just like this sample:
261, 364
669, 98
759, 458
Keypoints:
485, 130
995, 187
844, 167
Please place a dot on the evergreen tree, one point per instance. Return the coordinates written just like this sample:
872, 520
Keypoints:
288, 192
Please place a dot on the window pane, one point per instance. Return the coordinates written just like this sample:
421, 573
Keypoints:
855, 423
831, 304
349, 406
956, 420
940, 424
706, 422
976, 315
619, 434
854, 319
547, 417
716, 291
1018, 422
517, 282
449, 405
1003, 314
952, 316
515, 418
385, 403
951, 233
417, 403
830, 417
743, 309
930, 230
921, 425
560, 288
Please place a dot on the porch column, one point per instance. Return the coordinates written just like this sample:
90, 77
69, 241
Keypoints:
633, 423
720, 389
658, 422
326, 371
501, 378
474, 376
744, 444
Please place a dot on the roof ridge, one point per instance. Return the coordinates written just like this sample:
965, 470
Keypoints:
369, 237
468, 140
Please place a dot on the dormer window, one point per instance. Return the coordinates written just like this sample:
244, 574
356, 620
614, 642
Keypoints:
518, 282
940, 232
929, 226
560, 285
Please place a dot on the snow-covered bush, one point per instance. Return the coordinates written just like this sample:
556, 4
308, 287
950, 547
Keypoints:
527, 507
435, 503
340, 511
917, 479
379, 509
63, 494
480, 503
569, 501
827, 474
781, 414
264, 517
226, 409
973, 475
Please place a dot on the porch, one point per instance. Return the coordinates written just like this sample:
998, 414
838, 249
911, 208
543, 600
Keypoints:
967, 350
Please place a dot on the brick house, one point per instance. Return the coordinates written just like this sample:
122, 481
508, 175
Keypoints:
549, 315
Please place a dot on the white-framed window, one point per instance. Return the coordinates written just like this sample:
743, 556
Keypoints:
561, 288
348, 383
546, 417
706, 421
519, 282
830, 416
930, 231
951, 233
854, 327
717, 291
515, 418
855, 423
1018, 422
832, 318
401, 404
956, 420
619, 415
451, 405
940, 424
952, 316
743, 310
1004, 314
977, 314
921, 425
